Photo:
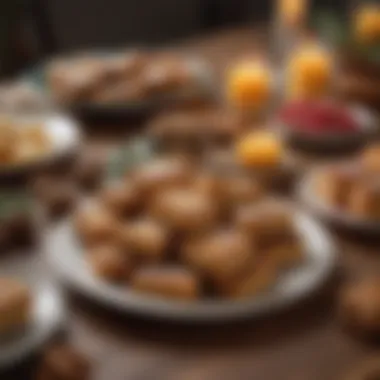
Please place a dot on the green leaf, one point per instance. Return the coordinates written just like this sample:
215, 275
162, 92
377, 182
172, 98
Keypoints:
331, 27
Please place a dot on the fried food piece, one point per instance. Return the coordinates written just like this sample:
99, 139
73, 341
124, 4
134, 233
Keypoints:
75, 80
257, 280
110, 262
15, 305
121, 198
177, 128
146, 238
371, 159
285, 253
223, 160
36, 135
221, 256
161, 173
210, 184
95, 225
169, 282
166, 75
266, 222
201, 127
62, 362
334, 184
364, 200
359, 306
120, 92
125, 66
185, 210
27, 152
241, 189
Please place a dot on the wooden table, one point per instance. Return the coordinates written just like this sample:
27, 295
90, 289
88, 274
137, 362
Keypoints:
302, 343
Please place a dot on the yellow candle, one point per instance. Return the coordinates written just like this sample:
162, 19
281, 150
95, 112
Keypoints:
367, 23
259, 149
249, 85
292, 12
309, 72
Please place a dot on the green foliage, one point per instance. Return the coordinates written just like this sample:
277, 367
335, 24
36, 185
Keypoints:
128, 156
336, 30
12, 203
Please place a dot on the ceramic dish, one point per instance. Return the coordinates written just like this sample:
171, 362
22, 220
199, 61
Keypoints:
64, 137
307, 194
66, 256
204, 88
47, 314
330, 142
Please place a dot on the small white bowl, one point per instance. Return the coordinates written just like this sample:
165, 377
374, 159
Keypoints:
64, 136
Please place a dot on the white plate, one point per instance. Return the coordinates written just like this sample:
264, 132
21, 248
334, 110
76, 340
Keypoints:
66, 256
47, 310
204, 87
64, 135
306, 193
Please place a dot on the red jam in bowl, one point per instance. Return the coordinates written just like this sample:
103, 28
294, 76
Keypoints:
318, 118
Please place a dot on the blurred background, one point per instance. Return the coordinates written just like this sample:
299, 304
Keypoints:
32, 29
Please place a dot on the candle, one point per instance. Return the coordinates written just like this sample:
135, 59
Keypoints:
249, 85
309, 72
292, 12
366, 23
260, 149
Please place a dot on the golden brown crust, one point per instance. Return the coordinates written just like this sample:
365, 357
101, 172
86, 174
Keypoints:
214, 235
255, 281
335, 184
364, 200
220, 256
185, 210
110, 262
161, 173
96, 225
173, 282
121, 199
147, 239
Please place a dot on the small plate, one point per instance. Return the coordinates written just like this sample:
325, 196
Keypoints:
47, 310
65, 138
204, 87
306, 193
66, 256
334, 143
